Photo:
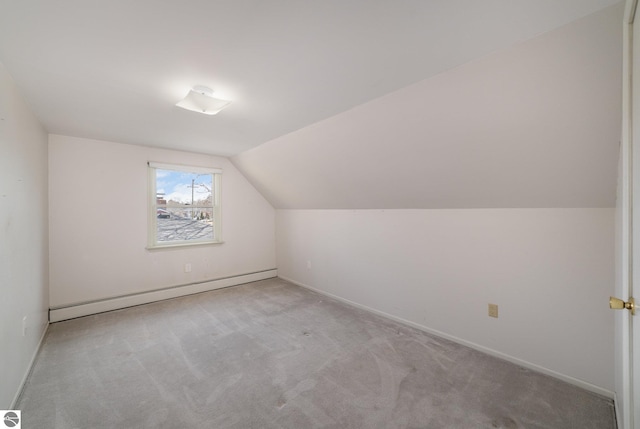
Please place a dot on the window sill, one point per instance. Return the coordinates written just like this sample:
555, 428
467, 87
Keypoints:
182, 245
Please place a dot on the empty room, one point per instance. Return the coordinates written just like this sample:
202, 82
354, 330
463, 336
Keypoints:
329, 214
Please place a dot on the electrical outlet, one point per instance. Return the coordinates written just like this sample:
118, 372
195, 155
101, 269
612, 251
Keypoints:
493, 310
187, 268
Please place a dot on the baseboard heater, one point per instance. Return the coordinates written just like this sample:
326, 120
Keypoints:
57, 314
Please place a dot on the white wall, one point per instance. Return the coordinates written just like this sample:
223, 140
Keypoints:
549, 270
23, 237
98, 223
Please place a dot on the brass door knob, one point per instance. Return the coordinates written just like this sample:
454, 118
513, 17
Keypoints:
618, 304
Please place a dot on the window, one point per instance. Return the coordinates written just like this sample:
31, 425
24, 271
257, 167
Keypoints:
184, 205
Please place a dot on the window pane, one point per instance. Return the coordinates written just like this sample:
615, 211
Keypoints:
183, 228
184, 206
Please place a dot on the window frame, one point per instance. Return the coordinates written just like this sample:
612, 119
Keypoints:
152, 218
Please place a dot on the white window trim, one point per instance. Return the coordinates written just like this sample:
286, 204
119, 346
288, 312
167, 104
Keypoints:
152, 243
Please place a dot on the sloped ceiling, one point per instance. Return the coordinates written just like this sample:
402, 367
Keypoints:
533, 125
113, 70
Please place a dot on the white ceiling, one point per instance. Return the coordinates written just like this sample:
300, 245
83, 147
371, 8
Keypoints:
113, 70
533, 125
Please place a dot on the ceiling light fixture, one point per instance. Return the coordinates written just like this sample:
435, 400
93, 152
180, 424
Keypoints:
200, 99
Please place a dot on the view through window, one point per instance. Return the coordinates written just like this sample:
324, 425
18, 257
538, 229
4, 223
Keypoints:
185, 205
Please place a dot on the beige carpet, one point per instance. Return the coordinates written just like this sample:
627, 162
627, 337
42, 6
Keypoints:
273, 355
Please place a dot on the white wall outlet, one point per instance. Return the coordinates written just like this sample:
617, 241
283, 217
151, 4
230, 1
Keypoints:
493, 310
24, 326
187, 268
309, 264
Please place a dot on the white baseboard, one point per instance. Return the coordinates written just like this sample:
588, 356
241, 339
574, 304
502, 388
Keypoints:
58, 314
14, 402
583, 384
616, 410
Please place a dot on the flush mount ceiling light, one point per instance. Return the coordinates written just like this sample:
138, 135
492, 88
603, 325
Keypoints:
200, 99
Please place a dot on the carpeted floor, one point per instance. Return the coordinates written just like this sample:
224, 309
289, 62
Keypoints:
273, 355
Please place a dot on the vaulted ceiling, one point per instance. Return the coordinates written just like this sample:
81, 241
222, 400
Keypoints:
537, 124
349, 104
